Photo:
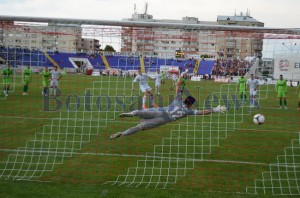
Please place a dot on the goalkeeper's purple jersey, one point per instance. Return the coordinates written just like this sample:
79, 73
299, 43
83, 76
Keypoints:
177, 109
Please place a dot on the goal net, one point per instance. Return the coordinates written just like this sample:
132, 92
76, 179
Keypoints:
65, 137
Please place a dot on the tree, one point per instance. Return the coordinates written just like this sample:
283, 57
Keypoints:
109, 48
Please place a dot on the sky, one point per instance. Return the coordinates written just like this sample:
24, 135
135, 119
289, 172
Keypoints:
274, 13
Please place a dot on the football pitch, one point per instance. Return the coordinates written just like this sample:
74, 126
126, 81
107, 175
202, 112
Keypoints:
60, 146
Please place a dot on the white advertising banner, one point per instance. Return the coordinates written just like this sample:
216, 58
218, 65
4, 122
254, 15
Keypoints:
288, 65
166, 69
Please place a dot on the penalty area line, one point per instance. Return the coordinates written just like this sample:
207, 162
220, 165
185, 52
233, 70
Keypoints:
137, 156
20, 117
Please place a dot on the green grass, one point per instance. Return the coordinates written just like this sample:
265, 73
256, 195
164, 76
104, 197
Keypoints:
67, 153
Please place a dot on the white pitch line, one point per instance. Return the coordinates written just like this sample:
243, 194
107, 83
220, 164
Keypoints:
139, 156
260, 130
276, 108
72, 153
20, 117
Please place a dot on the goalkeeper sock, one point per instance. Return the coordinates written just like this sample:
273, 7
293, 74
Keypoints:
299, 104
24, 88
285, 102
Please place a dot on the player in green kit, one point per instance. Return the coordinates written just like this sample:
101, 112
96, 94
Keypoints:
242, 86
183, 81
46, 77
281, 89
7, 73
27, 78
298, 90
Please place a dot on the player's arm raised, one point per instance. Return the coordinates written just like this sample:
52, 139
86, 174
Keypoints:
179, 81
218, 109
152, 78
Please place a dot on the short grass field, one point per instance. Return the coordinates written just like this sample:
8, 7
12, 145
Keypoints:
60, 146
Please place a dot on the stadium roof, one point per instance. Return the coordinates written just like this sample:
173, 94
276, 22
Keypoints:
238, 18
145, 24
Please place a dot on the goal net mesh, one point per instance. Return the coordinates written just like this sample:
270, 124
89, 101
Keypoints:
65, 137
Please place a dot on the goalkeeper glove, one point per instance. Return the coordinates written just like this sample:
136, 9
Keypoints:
220, 109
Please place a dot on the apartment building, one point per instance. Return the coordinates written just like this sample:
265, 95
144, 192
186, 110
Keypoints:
51, 37
194, 43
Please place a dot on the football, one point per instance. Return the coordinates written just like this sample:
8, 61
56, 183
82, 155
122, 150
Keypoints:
259, 119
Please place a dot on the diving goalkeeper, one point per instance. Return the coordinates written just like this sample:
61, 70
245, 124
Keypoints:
155, 117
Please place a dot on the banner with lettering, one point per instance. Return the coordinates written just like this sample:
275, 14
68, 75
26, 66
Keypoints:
288, 65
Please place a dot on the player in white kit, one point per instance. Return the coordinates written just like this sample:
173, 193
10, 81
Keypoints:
144, 87
253, 84
156, 117
174, 79
55, 77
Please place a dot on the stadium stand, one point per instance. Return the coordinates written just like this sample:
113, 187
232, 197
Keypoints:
220, 67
